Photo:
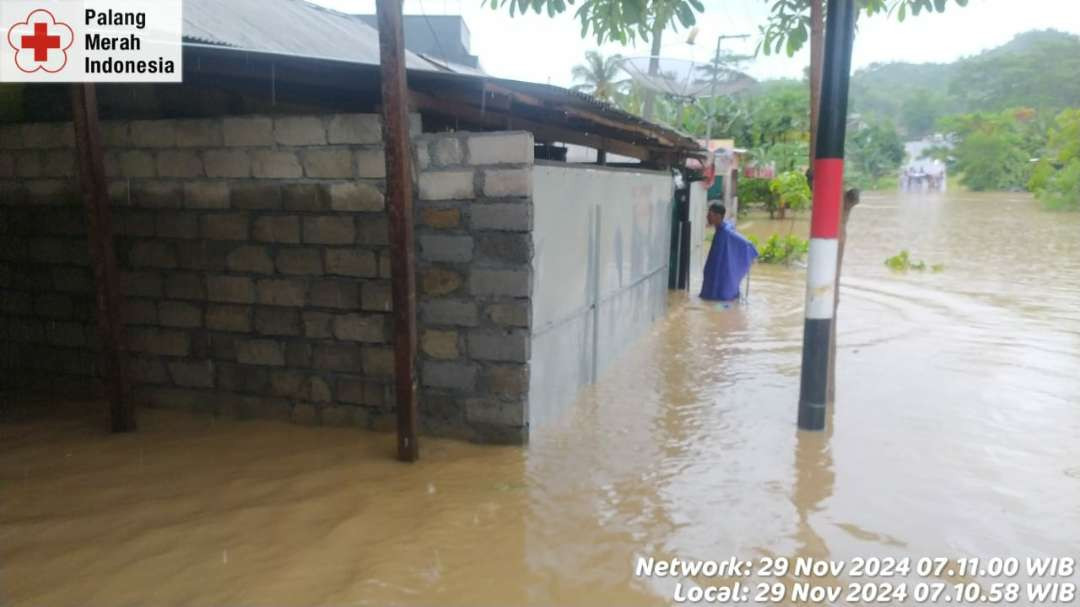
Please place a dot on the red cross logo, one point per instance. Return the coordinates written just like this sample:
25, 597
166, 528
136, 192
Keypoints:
41, 42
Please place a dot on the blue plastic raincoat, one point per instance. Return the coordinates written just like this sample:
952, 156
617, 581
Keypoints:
729, 260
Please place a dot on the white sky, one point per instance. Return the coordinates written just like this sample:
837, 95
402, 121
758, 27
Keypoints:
543, 49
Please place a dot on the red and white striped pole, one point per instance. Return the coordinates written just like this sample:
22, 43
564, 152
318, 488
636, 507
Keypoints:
825, 218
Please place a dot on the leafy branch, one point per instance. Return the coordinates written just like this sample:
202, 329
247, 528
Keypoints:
789, 24
622, 21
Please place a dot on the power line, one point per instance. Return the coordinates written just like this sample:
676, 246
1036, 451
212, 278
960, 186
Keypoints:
715, 73
431, 28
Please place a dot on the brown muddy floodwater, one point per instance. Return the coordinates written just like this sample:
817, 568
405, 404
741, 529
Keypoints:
955, 435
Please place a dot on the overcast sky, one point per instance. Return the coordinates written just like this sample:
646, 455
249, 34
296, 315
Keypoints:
543, 49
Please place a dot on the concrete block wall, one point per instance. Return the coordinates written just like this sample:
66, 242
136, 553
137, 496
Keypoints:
256, 269
474, 219
255, 264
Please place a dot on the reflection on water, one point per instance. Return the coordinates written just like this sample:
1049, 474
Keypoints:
954, 435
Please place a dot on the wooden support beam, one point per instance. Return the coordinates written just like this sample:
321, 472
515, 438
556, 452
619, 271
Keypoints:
499, 100
102, 255
498, 120
395, 113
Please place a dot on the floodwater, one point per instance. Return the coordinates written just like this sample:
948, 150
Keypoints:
955, 434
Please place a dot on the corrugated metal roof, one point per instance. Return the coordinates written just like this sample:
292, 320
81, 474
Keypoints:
452, 66
300, 29
289, 27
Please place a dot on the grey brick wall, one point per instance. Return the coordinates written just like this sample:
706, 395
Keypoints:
256, 272
475, 246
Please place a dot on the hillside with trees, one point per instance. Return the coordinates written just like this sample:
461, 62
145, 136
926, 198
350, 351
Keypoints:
1037, 69
1006, 111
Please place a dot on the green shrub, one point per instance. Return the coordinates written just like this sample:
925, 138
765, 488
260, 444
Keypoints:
1056, 178
1062, 190
754, 191
791, 191
777, 249
902, 262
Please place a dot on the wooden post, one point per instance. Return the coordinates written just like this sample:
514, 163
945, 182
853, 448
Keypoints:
102, 255
851, 198
395, 114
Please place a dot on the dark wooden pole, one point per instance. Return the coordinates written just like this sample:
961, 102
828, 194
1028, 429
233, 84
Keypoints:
395, 113
102, 255
851, 198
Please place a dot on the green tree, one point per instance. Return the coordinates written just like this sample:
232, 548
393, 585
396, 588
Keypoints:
920, 113
991, 161
791, 191
1036, 69
770, 120
625, 21
622, 21
785, 156
993, 151
1056, 179
788, 28
874, 152
793, 22
599, 76
790, 25
779, 114
906, 92
632, 99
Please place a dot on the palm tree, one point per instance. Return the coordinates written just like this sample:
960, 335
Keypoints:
631, 98
599, 76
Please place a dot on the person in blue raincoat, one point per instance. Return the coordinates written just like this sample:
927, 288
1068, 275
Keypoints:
729, 258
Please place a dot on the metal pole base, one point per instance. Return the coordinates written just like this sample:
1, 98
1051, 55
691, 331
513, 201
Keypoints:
811, 416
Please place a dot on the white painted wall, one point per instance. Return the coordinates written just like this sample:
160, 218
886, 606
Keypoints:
600, 235
699, 207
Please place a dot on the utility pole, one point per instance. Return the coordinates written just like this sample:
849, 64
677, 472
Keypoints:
709, 118
395, 114
715, 74
825, 218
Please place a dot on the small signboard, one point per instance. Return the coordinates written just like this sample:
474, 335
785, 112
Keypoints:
91, 41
